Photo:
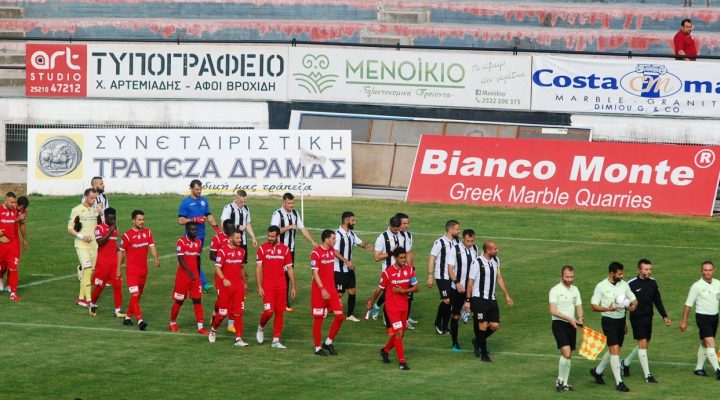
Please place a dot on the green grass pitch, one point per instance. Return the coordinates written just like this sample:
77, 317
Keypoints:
52, 349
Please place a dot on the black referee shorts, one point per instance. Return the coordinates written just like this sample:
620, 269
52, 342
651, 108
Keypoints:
707, 325
485, 310
614, 329
444, 287
565, 334
457, 301
344, 281
642, 327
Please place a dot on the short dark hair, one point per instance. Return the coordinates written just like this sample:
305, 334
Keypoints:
399, 250
288, 196
110, 211
11, 195
190, 224
706, 262
346, 214
274, 228
450, 224
241, 193
567, 268
682, 23
234, 230
135, 213
469, 232
95, 178
643, 261
195, 182
23, 201
228, 222
395, 222
326, 234
615, 267
87, 191
402, 215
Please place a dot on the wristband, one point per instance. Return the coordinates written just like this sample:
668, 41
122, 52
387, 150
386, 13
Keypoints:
467, 300
80, 236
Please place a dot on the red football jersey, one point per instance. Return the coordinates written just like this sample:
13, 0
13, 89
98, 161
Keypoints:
275, 260
230, 259
107, 253
323, 261
189, 250
136, 244
391, 277
8, 222
218, 242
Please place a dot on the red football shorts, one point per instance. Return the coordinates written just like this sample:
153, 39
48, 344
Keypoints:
9, 256
398, 318
231, 300
105, 273
275, 299
318, 304
183, 285
136, 282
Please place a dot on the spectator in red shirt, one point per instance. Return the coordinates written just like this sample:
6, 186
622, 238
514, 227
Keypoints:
684, 43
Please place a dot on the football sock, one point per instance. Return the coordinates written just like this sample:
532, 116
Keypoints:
642, 356
96, 292
335, 327
454, 331
287, 292
701, 356
390, 344
174, 311
564, 368
447, 310
265, 317
328, 341
615, 367
712, 357
351, 304
482, 341
200, 325
238, 325
317, 330
135, 307
199, 315
439, 315
400, 349
117, 295
489, 332
476, 328
217, 320
85, 283
278, 323
603, 363
629, 359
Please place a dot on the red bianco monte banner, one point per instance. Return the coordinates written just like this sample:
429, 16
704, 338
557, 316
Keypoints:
648, 178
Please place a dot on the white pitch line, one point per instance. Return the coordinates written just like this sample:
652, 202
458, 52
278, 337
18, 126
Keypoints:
306, 341
522, 239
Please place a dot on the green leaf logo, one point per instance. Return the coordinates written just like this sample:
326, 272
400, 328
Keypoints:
315, 80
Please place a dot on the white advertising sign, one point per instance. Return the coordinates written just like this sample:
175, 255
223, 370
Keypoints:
188, 71
149, 161
424, 78
618, 86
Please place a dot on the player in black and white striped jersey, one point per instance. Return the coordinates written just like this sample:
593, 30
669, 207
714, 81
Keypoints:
485, 276
441, 269
408, 238
465, 253
385, 244
289, 222
345, 240
239, 213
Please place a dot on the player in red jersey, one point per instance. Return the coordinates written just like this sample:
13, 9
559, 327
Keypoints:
397, 281
134, 245
106, 266
273, 260
9, 249
186, 278
230, 269
219, 241
323, 294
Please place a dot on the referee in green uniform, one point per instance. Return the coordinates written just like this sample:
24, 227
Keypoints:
567, 317
705, 296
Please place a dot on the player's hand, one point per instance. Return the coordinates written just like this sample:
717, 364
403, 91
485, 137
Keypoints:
350, 264
683, 326
261, 292
368, 246
254, 242
429, 282
226, 282
466, 306
88, 239
460, 288
580, 322
398, 290
113, 228
667, 321
25, 244
293, 292
157, 262
292, 227
632, 307
325, 294
369, 303
314, 244
509, 300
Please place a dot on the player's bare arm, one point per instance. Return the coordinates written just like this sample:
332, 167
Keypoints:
344, 260
501, 285
431, 271
181, 261
293, 288
319, 283
683, 320
154, 252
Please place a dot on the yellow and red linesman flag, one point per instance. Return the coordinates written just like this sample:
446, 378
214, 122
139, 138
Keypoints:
593, 343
